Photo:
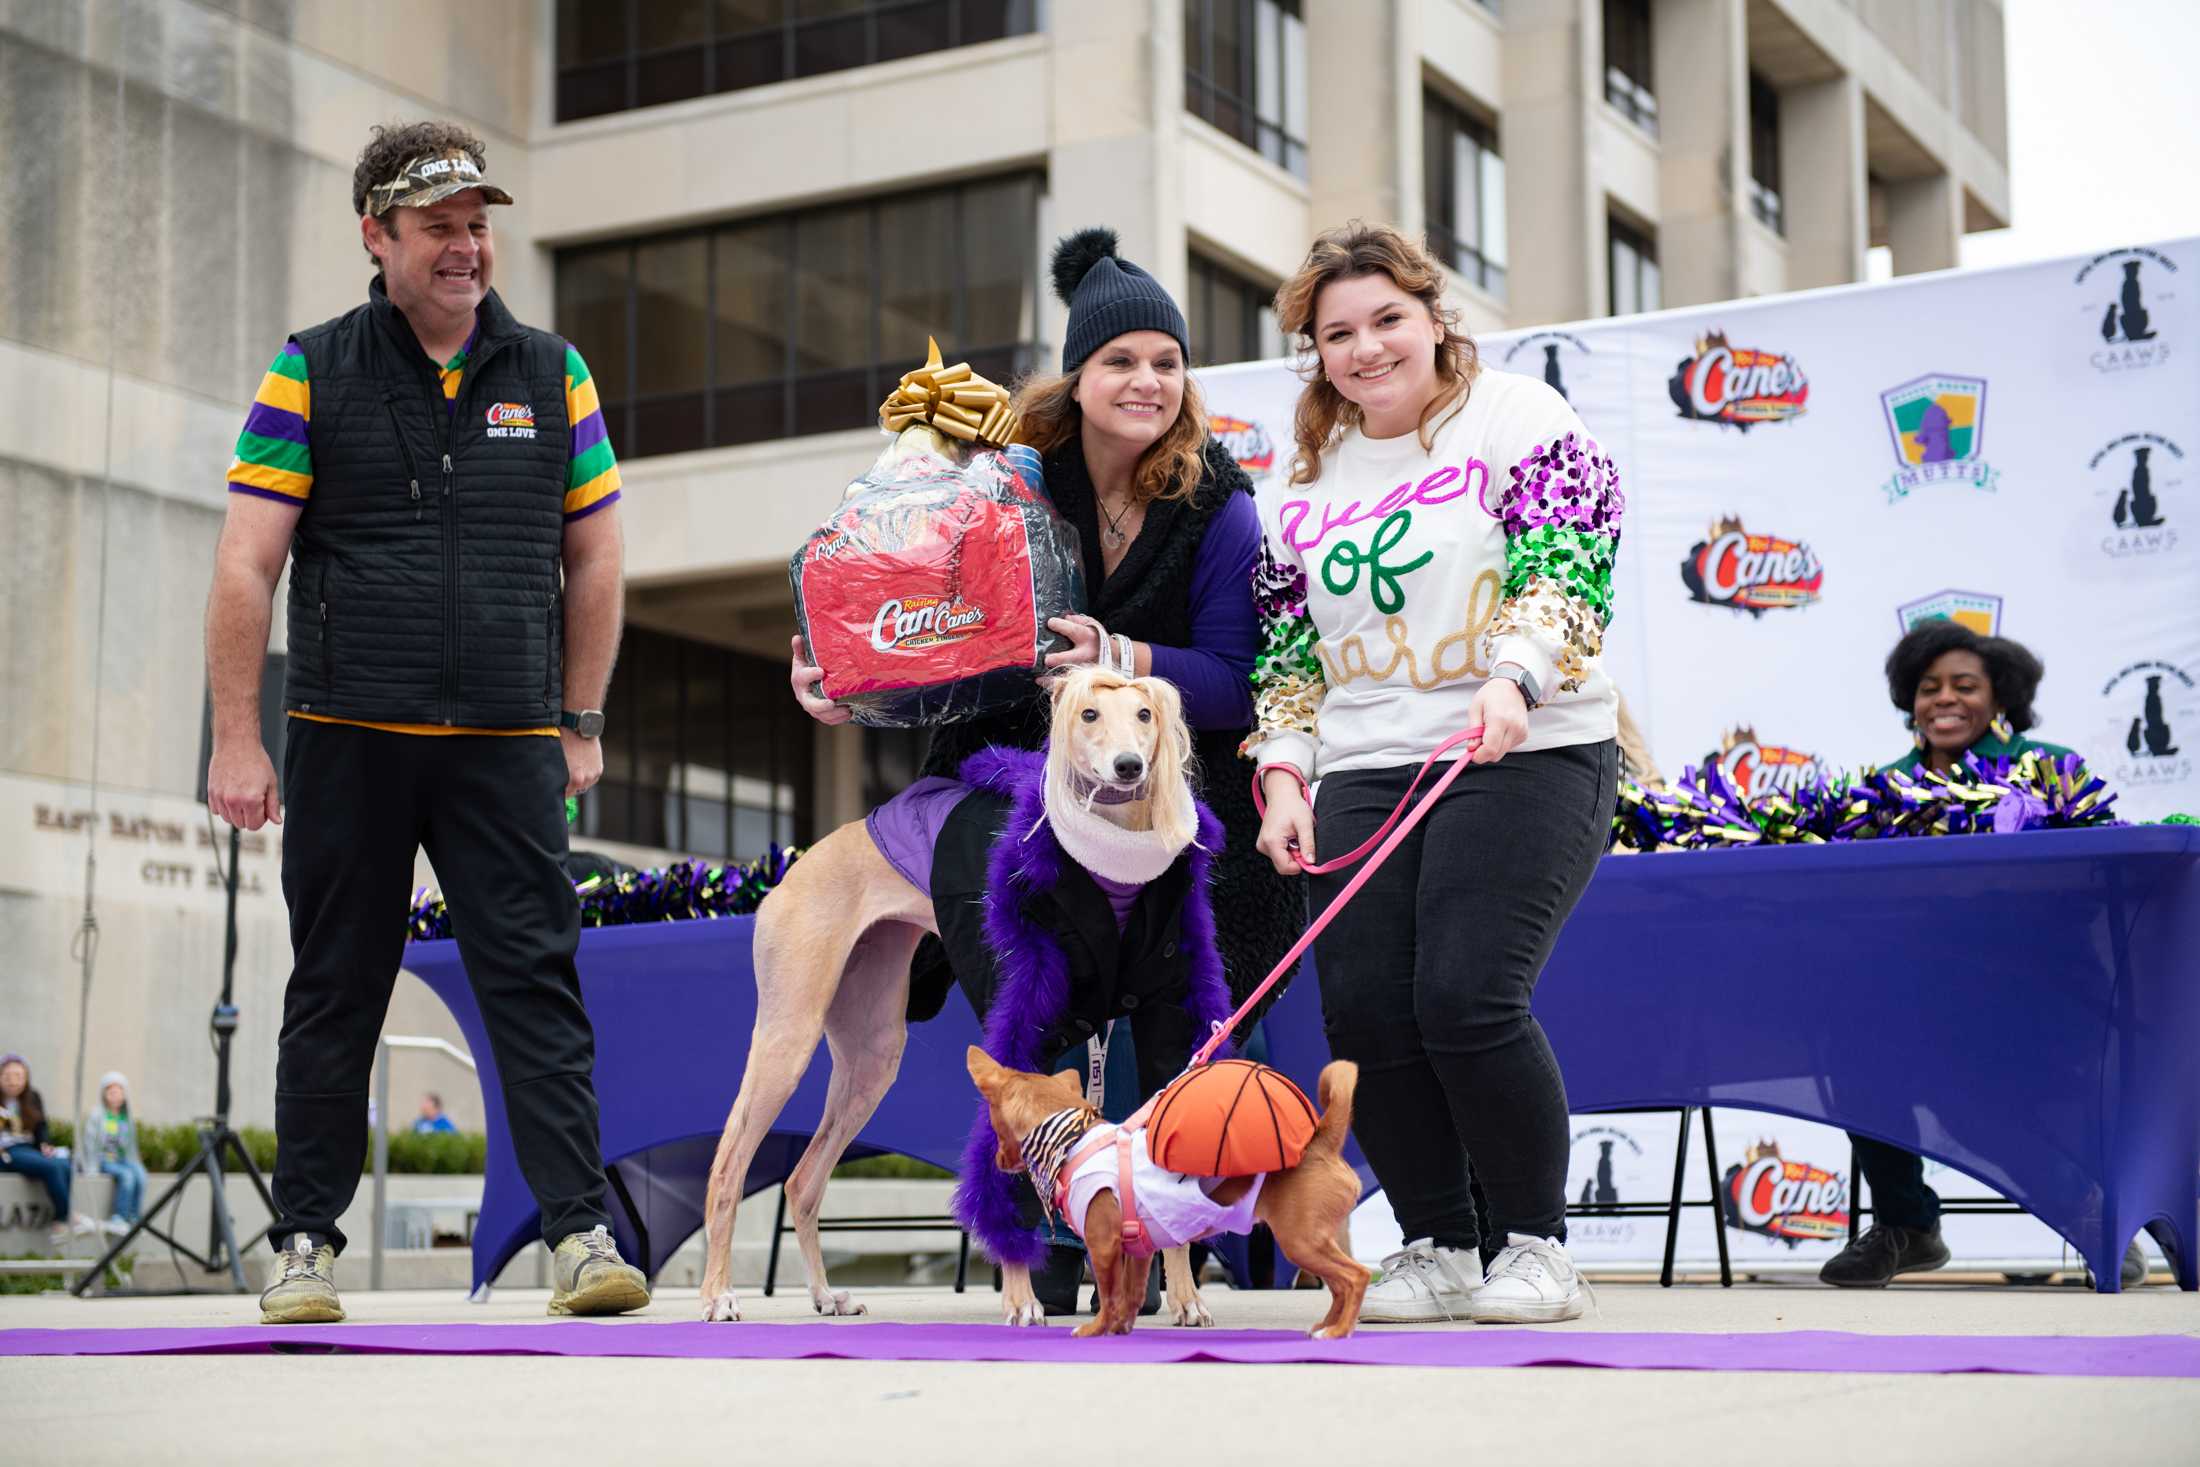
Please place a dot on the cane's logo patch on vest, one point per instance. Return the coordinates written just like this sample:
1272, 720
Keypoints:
510, 420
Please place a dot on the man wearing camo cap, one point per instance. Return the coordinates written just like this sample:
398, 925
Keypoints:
439, 478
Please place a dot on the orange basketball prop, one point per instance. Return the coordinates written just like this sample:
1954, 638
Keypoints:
1232, 1118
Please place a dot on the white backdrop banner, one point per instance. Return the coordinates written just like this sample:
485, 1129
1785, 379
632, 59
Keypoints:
1807, 476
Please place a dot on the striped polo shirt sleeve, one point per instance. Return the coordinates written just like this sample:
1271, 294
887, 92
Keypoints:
592, 479
274, 460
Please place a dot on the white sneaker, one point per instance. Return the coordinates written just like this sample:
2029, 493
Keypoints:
1422, 1282
1533, 1281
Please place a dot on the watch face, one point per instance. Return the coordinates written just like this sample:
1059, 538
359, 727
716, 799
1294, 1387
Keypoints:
591, 725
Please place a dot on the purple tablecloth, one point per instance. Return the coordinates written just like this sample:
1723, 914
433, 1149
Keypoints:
2025, 1008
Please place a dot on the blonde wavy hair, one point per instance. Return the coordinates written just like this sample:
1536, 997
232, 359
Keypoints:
1348, 253
1168, 809
1170, 468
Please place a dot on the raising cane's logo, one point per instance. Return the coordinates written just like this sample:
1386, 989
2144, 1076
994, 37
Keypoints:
1248, 443
912, 623
1738, 386
1754, 767
510, 420
1752, 573
1792, 1201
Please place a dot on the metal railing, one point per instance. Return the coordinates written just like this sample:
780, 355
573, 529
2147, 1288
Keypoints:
382, 1129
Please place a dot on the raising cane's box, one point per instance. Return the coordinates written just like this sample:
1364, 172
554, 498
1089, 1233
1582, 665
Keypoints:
925, 597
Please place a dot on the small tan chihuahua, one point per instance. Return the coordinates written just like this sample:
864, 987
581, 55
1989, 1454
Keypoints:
1306, 1206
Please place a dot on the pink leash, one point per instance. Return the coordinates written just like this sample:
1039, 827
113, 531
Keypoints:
1137, 1242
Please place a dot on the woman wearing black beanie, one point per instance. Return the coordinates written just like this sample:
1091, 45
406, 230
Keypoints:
1170, 536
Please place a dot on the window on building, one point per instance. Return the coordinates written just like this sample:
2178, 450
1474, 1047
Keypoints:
1245, 72
1764, 155
1627, 76
1463, 182
1634, 266
618, 54
704, 753
800, 323
1232, 319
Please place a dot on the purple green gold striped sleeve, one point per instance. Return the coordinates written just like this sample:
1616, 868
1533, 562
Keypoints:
1561, 509
274, 459
592, 481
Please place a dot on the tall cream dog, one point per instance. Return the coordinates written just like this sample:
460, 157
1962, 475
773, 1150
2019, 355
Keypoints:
832, 951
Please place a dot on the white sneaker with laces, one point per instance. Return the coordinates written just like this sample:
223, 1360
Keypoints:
1533, 1281
1422, 1282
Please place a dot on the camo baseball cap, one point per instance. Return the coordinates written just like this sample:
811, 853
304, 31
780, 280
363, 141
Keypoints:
432, 178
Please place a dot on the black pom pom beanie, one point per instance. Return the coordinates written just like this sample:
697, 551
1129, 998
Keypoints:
1107, 296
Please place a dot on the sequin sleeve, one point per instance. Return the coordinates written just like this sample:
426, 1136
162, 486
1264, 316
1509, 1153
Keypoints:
1561, 507
1287, 677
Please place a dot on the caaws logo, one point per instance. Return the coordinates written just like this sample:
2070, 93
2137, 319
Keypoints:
1560, 358
2125, 295
1937, 424
2152, 713
1752, 573
1247, 442
1792, 1201
1738, 386
1754, 767
912, 623
1607, 1168
2134, 480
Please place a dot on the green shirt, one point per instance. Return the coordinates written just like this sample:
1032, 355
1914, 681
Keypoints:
1989, 746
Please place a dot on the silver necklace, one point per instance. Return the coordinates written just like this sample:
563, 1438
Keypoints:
1112, 530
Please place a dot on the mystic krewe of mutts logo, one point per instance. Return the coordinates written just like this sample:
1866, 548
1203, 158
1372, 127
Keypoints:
2137, 481
1755, 767
1752, 573
1937, 427
2126, 297
1792, 1201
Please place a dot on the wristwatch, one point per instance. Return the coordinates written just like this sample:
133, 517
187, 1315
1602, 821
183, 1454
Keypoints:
1522, 679
587, 722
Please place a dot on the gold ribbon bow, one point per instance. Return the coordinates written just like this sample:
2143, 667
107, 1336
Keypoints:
955, 400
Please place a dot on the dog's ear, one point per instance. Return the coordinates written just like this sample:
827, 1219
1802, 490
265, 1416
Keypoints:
982, 1069
1071, 1080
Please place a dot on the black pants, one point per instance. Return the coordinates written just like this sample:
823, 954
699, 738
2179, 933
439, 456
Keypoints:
1426, 978
1900, 1198
490, 811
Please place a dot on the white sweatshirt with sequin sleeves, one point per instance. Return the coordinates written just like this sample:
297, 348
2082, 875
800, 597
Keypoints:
1391, 586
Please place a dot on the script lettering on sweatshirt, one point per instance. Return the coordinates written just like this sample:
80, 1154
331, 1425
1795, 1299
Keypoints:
1441, 487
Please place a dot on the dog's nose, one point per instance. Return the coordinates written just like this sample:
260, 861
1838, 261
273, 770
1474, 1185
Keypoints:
1128, 767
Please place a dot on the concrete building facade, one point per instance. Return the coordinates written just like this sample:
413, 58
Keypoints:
748, 214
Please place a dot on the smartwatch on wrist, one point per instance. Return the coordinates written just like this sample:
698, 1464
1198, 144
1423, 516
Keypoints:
1522, 679
587, 722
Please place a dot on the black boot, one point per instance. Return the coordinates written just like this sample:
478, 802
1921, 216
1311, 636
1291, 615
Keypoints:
1055, 1281
1874, 1259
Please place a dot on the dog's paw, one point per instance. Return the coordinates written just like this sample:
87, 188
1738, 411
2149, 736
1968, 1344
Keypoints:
1191, 1313
1090, 1328
721, 1308
1030, 1312
1330, 1332
836, 1304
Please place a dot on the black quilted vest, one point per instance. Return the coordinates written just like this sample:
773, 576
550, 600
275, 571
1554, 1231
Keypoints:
1258, 914
426, 570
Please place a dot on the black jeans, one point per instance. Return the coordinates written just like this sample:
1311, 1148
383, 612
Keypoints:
490, 811
1426, 977
1900, 1198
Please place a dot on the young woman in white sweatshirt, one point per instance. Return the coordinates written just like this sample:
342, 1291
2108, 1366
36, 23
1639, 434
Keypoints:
1441, 557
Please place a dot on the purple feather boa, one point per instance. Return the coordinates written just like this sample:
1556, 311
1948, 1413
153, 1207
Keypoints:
1034, 976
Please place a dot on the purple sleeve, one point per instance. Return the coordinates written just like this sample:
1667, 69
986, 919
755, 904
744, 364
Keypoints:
1215, 673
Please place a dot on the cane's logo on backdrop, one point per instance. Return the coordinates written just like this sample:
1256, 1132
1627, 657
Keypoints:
510, 420
1978, 610
1792, 1201
1937, 427
1755, 767
2133, 481
1247, 442
1606, 1168
1558, 357
913, 623
2124, 294
1752, 573
2151, 718
1738, 386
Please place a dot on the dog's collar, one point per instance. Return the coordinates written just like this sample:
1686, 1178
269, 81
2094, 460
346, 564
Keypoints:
1049, 1145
